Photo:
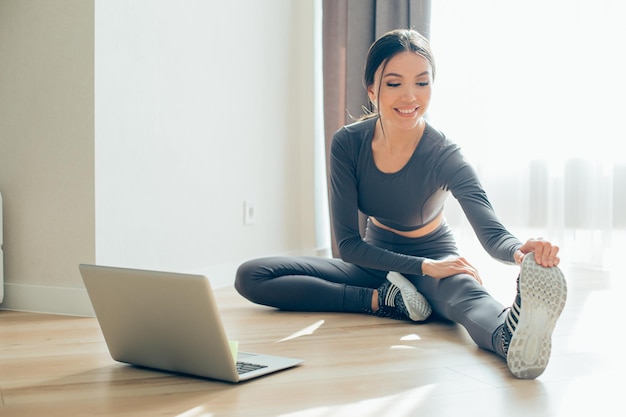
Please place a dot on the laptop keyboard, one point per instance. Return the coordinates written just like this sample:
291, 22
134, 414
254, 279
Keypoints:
243, 367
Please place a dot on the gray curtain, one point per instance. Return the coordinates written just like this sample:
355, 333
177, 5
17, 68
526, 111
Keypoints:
349, 28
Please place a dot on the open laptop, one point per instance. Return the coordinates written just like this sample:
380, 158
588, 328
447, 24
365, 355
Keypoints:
169, 321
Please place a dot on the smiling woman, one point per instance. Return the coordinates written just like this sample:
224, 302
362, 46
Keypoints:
398, 169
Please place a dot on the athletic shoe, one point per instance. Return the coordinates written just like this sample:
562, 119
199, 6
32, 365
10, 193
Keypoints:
399, 299
527, 331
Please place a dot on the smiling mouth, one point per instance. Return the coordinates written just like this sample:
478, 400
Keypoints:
407, 111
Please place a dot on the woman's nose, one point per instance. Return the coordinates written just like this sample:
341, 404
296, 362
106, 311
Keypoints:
409, 92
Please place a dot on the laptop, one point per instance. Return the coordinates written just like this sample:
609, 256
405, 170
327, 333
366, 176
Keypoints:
170, 322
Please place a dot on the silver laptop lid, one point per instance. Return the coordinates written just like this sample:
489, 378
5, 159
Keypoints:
160, 320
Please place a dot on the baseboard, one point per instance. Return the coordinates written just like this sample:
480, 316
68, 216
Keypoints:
71, 301
74, 301
46, 299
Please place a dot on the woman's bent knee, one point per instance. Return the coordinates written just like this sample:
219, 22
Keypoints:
244, 279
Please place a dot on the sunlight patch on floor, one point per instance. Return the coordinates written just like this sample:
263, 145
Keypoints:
401, 347
592, 328
403, 404
199, 411
408, 338
304, 332
593, 395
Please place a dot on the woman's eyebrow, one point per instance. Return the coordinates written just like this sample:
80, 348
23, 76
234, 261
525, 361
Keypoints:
393, 74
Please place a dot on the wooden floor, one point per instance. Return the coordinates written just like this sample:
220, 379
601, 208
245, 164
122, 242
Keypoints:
356, 365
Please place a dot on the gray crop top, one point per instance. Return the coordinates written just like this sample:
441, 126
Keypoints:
407, 199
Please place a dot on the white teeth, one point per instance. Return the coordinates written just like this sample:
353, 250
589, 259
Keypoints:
406, 111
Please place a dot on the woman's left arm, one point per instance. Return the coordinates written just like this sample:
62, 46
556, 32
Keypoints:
496, 239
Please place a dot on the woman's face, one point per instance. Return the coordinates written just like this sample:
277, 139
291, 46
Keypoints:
403, 92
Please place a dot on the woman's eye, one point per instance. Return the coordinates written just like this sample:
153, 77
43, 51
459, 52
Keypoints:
423, 84
393, 84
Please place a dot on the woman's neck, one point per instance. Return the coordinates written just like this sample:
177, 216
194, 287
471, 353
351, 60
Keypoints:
397, 139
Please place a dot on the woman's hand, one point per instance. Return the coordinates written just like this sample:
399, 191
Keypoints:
443, 268
545, 252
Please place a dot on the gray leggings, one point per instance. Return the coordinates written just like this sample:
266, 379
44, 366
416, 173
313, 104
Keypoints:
332, 285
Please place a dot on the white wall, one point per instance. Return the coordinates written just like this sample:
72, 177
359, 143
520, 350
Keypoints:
198, 108
170, 114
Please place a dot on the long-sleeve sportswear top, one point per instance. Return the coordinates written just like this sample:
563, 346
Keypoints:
407, 199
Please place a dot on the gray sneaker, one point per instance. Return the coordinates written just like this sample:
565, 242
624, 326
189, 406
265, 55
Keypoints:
527, 331
400, 300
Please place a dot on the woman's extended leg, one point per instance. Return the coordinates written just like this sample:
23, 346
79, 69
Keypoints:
525, 340
464, 300
308, 284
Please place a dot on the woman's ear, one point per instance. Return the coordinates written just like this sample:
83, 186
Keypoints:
371, 95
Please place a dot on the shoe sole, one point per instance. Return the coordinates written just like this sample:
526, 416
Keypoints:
543, 292
416, 304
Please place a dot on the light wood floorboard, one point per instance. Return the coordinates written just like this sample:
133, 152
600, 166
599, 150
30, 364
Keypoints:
356, 365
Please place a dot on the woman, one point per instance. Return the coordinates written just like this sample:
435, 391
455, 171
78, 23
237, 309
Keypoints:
398, 170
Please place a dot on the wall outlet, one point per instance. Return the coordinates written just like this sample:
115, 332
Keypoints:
249, 212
